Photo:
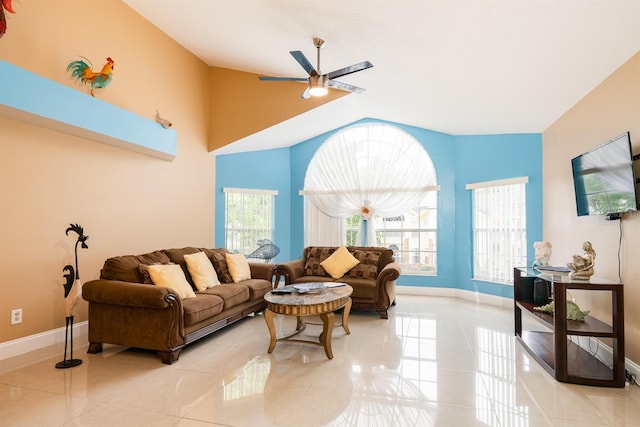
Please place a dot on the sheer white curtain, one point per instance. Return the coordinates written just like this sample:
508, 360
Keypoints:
321, 229
369, 169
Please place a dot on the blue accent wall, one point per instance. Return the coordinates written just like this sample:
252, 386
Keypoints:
488, 158
458, 160
261, 170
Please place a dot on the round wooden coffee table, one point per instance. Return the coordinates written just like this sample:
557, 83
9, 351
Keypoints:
321, 302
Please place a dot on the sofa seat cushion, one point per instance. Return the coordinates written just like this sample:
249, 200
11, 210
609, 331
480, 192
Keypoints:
258, 288
311, 279
125, 268
231, 293
201, 307
363, 288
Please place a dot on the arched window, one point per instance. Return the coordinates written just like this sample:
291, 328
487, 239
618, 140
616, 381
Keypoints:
374, 177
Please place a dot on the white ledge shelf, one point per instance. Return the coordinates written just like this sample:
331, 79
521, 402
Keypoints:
33, 99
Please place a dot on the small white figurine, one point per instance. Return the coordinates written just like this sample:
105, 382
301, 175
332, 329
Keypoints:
582, 266
542, 253
163, 122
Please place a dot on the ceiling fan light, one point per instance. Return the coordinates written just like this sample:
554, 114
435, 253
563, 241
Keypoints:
318, 91
318, 86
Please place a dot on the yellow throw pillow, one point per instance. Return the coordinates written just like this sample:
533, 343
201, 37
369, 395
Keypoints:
202, 272
238, 267
339, 263
171, 276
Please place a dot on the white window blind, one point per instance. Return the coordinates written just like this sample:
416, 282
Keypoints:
249, 218
499, 229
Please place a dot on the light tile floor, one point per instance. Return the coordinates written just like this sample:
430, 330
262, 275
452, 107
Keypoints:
435, 362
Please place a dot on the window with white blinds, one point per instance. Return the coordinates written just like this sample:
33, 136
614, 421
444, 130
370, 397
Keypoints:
249, 218
499, 229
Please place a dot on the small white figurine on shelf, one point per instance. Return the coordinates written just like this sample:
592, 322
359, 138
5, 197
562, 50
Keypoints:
582, 266
163, 122
542, 253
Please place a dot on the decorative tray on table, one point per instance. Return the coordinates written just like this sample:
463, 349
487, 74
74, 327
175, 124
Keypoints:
304, 288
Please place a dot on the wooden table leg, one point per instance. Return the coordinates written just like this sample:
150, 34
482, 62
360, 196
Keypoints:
345, 317
327, 330
268, 318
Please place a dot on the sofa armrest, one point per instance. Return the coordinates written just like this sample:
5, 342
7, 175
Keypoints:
389, 272
114, 292
386, 284
135, 315
290, 270
262, 271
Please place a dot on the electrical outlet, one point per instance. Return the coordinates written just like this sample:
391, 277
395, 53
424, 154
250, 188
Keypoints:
16, 316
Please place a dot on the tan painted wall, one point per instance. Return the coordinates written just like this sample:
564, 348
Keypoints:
127, 202
609, 110
242, 105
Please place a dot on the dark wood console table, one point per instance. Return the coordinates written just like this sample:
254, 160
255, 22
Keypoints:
562, 358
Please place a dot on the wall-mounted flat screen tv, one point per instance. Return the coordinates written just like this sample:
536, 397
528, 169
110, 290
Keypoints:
604, 180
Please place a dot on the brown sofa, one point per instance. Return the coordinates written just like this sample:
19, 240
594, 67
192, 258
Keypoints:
125, 311
373, 279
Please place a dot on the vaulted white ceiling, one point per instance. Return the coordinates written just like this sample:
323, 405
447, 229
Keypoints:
454, 66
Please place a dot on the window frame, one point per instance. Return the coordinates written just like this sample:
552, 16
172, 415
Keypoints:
241, 230
352, 227
485, 273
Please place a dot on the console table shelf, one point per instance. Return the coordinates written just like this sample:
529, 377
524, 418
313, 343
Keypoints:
554, 350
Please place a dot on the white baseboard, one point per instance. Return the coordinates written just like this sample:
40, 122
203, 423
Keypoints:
604, 353
30, 343
455, 293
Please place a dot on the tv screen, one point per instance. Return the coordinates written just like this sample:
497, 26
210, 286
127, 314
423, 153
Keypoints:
604, 180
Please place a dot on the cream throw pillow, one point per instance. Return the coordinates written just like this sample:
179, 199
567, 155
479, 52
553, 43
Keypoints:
202, 272
171, 276
339, 263
238, 267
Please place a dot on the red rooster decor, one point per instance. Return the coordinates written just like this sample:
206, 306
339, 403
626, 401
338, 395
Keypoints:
6, 4
82, 71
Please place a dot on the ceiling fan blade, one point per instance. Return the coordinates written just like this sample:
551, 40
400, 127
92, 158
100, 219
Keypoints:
348, 70
344, 86
306, 94
304, 62
285, 79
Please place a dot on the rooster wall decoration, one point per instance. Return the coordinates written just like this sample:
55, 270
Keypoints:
72, 291
82, 71
6, 4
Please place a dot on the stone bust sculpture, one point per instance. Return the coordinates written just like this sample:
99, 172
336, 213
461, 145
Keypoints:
582, 266
542, 253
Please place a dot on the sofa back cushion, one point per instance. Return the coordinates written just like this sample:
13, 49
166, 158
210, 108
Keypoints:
125, 268
313, 256
386, 254
372, 260
177, 257
368, 266
219, 260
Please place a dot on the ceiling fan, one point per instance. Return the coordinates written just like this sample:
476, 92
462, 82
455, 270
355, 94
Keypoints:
319, 83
